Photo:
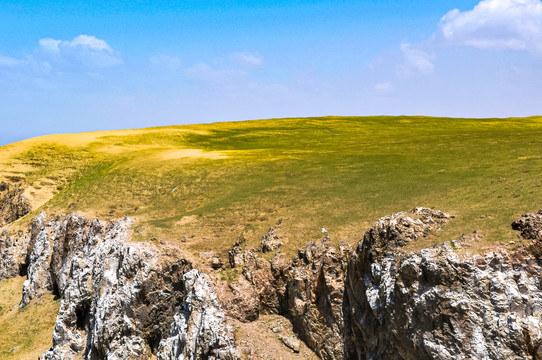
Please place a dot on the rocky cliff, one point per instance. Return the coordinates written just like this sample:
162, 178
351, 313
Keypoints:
13, 204
121, 300
384, 301
13, 246
435, 303
307, 289
378, 300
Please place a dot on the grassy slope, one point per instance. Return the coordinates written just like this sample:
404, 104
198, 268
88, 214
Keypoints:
337, 173
22, 336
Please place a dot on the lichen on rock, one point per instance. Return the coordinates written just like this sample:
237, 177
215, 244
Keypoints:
121, 300
383, 300
435, 304
198, 330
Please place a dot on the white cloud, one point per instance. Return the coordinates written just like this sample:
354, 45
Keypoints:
90, 42
415, 61
27, 64
247, 60
205, 73
83, 49
50, 45
10, 62
165, 62
496, 24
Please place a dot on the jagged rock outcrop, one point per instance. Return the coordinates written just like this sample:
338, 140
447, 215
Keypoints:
530, 228
270, 241
14, 247
13, 250
313, 291
308, 290
435, 304
236, 253
39, 279
252, 293
195, 332
13, 204
122, 300
383, 300
529, 225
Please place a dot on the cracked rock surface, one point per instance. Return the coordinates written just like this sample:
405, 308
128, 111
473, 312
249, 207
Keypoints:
434, 304
379, 300
13, 204
197, 329
308, 289
122, 300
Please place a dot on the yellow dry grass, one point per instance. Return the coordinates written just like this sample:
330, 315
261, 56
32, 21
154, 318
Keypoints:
190, 153
25, 333
212, 183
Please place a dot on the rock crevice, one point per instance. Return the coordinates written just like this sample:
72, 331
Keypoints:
122, 300
435, 304
384, 301
307, 289
13, 204
378, 300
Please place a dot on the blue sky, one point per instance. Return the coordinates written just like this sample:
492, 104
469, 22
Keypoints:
71, 66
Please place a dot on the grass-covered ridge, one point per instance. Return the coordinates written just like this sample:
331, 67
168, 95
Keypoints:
224, 180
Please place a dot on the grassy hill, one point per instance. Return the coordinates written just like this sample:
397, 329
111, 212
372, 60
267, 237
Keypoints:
212, 183
21, 336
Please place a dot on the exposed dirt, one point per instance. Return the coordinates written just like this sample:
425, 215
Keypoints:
257, 340
191, 153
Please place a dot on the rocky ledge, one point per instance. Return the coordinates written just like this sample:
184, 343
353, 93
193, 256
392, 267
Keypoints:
13, 204
378, 300
435, 304
384, 301
122, 300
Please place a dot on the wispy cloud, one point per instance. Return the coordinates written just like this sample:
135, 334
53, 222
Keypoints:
228, 69
80, 54
415, 61
9, 62
203, 72
83, 49
247, 60
496, 24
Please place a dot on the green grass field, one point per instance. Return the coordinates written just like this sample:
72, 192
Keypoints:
25, 333
236, 179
